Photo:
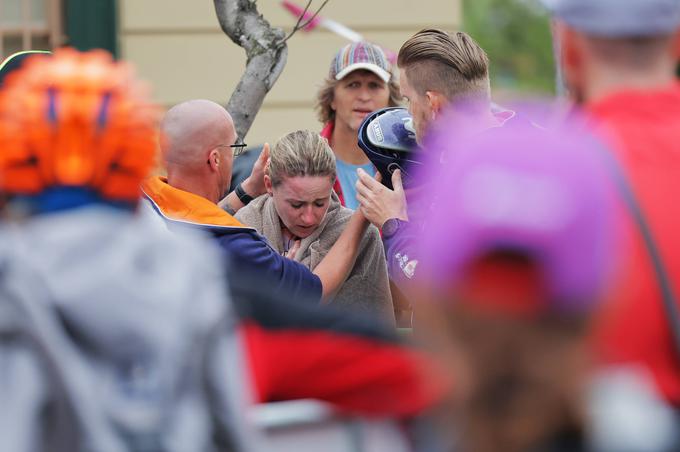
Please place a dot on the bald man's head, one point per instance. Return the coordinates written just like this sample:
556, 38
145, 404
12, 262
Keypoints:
195, 140
191, 129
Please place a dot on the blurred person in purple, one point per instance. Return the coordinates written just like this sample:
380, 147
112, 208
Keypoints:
517, 258
618, 59
438, 72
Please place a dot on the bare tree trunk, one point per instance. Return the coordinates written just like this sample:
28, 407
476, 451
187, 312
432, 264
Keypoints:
266, 53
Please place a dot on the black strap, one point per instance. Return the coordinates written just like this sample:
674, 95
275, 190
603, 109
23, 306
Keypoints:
242, 195
670, 304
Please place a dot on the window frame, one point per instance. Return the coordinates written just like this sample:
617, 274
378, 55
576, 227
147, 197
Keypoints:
27, 31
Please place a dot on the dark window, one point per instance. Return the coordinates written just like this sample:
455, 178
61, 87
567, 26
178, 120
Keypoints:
29, 25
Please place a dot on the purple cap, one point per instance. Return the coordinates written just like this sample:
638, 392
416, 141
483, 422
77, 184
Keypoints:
360, 55
543, 193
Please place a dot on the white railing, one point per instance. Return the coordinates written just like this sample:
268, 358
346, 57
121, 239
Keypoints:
309, 425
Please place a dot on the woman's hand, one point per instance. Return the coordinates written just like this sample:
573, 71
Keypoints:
292, 251
291, 243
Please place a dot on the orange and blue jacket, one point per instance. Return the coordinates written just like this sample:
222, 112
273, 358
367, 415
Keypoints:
249, 253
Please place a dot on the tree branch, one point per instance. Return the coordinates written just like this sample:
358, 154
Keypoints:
297, 24
315, 14
266, 54
307, 22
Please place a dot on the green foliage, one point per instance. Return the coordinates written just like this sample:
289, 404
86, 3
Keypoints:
516, 36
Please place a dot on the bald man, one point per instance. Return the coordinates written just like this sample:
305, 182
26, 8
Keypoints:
196, 144
197, 138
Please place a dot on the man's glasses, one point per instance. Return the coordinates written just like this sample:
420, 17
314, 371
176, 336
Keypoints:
238, 147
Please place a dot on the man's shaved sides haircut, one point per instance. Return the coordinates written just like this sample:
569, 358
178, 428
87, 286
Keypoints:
451, 64
192, 128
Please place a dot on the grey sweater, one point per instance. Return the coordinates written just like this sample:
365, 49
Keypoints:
367, 286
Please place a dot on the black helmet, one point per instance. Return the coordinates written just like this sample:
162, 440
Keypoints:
388, 139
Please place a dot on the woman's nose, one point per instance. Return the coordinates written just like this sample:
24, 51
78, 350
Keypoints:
308, 216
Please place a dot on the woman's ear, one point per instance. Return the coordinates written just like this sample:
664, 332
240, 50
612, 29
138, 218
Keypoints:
268, 183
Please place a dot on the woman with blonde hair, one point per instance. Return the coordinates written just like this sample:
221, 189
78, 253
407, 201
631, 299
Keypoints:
301, 217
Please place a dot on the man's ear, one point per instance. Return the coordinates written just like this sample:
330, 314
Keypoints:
268, 183
214, 160
570, 51
676, 48
436, 101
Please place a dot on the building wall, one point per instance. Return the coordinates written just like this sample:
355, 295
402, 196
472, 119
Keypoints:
179, 47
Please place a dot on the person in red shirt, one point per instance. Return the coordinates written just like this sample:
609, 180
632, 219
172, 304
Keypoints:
618, 60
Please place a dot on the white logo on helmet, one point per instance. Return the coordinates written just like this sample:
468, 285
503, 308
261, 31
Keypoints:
377, 131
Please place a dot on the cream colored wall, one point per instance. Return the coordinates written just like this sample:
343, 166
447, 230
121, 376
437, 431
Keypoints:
178, 46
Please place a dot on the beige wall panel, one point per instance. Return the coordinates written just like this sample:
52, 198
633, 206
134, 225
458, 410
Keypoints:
148, 15
184, 67
371, 14
272, 123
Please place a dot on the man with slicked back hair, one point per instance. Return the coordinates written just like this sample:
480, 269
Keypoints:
438, 72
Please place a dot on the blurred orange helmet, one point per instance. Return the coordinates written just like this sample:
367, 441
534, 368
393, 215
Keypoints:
76, 120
